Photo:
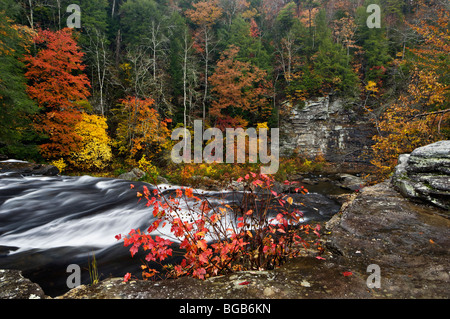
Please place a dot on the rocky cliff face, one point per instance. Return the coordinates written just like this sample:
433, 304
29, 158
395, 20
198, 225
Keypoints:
329, 127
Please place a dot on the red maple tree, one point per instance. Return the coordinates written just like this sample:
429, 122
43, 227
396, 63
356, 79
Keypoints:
57, 84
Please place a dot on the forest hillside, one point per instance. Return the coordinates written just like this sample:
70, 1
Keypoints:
99, 85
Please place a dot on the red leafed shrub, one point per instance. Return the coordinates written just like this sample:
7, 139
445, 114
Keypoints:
260, 230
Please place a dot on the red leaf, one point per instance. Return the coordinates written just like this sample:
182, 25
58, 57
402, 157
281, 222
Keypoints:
118, 237
126, 277
347, 273
202, 244
133, 250
244, 283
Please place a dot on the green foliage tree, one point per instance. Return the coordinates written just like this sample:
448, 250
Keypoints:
374, 44
17, 138
246, 36
331, 61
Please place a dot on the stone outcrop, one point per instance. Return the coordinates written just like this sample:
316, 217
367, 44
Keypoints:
14, 286
327, 127
425, 174
409, 241
350, 182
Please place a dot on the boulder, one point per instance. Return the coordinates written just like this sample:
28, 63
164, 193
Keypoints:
134, 175
162, 180
350, 182
14, 286
425, 174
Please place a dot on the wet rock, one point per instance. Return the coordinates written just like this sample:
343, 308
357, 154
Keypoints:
14, 167
14, 286
425, 174
350, 182
162, 180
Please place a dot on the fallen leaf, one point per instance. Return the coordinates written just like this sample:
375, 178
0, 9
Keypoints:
347, 273
244, 283
320, 258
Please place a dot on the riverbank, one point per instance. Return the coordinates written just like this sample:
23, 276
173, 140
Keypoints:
409, 242
381, 244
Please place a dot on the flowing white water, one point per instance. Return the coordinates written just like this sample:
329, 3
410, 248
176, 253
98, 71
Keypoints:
50, 212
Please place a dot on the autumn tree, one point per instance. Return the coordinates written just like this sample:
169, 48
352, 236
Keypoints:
147, 49
231, 8
140, 131
95, 149
421, 115
56, 83
246, 35
324, 70
430, 85
241, 89
205, 15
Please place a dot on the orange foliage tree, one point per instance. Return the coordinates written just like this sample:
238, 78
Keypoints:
205, 15
241, 89
141, 131
56, 84
422, 115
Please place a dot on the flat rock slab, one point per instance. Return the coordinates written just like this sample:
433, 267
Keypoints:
410, 242
301, 278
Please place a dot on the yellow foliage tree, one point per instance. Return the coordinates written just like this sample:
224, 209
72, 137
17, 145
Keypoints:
422, 115
95, 151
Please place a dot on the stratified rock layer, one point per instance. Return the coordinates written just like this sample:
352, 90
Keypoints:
425, 174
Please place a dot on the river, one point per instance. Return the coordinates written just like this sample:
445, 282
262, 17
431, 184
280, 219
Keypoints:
48, 223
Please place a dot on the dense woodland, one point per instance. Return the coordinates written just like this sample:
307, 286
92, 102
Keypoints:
106, 96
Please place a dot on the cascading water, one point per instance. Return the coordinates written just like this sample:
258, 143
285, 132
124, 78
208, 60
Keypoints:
48, 223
